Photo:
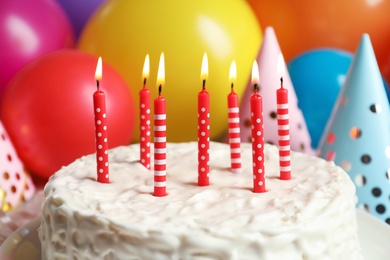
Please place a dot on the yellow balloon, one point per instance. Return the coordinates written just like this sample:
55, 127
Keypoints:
124, 31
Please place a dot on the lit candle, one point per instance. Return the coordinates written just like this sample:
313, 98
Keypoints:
99, 105
145, 136
256, 108
234, 124
203, 127
160, 137
283, 125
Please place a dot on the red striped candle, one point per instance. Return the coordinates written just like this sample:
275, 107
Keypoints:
203, 128
160, 116
99, 105
256, 108
144, 111
234, 124
283, 126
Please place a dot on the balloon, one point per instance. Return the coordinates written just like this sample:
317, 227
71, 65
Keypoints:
79, 12
304, 25
123, 32
48, 110
317, 77
28, 30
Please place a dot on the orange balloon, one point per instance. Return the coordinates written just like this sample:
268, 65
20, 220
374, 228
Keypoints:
302, 25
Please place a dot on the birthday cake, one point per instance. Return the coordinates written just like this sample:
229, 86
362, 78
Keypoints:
311, 216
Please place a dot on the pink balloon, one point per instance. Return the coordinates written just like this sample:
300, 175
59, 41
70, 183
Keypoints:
29, 29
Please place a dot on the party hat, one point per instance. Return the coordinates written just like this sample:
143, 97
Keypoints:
16, 185
357, 136
269, 82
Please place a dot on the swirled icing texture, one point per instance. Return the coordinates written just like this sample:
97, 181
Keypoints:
311, 216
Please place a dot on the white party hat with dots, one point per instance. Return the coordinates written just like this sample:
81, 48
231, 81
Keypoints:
269, 82
357, 136
16, 185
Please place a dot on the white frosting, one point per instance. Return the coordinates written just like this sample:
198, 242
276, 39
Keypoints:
311, 216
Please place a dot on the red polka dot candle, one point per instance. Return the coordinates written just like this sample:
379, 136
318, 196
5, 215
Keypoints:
256, 108
160, 137
203, 128
234, 124
283, 126
99, 105
144, 111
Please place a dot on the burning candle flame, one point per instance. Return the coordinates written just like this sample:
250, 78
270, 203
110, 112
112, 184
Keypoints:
255, 74
161, 72
205, 68
146, 69
281, 69
98, 72
233, 72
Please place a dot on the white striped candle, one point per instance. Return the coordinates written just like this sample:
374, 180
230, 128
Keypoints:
234, 124
283, 132
160, 140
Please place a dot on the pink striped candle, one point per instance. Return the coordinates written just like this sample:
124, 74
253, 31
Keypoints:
99, 105
256, 108
144, 111
203, 128
234, 124
160, 116
283, 126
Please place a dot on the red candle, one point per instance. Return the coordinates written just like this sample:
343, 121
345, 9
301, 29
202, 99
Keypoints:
203, 128
256, 108
160, 137
234, 124
99, 105
283, 126
144, 109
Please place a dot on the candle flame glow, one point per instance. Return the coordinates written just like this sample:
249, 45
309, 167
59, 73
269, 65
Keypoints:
98, 72
161, 71
233, 72
205, 68
255, 73
146, 69
281, 64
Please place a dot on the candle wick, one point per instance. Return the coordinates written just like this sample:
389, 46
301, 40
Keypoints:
97, 84
255, 88
159, 90
204, 85
281, 82
144, 82
232, 87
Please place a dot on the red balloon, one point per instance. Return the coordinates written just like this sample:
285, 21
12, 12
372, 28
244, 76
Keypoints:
302, 25
48, 110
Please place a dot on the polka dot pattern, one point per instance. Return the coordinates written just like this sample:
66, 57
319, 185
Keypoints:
361, 141
268, 72
101, 136
15, 183
257, 142
203, 137
145, 137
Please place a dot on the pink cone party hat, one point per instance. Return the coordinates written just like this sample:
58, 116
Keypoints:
269, 82
357, 136
16, 185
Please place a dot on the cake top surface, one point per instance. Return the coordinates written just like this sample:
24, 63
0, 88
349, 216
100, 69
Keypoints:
227, 205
